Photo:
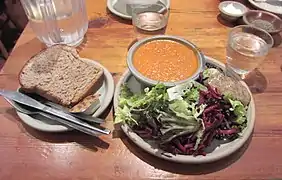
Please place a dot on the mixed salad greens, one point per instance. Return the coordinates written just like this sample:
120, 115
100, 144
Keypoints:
183, 119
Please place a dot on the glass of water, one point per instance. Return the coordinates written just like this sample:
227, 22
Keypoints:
57, 21
247, 48
149, 19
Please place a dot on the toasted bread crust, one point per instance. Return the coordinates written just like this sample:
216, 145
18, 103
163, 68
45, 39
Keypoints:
30, 61
97, 82
36, 87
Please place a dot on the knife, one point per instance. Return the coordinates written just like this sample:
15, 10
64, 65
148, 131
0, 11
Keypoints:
66, 118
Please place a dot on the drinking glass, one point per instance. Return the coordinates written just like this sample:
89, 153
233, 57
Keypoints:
149, 18
57, 21
247, 48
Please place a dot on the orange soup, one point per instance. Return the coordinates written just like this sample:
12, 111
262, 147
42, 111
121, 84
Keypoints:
165, 60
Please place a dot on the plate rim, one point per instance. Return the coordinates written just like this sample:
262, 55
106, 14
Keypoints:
257, 5
124, 16
186, 158
109, 85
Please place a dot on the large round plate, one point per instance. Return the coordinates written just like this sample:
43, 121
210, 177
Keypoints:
44, 124
270, 6
119, 7
216, 151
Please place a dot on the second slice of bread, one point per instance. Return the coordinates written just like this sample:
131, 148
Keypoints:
59, 75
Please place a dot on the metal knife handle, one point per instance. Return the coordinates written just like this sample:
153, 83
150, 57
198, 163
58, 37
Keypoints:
26, 100
77, 122
70, 124
88, 118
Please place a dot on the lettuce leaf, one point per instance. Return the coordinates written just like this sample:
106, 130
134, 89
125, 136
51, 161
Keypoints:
239, 110
184, 120
124, 115
180, 108
192, 95
199, 135
185, 110
125, 95
189, 91
199, 110
155, 97
199, 86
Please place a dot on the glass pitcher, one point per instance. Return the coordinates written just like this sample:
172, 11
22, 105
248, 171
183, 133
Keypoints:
57, 21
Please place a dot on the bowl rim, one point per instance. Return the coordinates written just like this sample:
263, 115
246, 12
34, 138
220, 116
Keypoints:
263, 12
146, 80
244, 8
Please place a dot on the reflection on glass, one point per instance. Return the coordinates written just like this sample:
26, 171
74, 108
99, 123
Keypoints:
247, 48
149, 19
57, 21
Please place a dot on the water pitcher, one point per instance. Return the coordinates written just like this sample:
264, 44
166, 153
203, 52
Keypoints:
57, 21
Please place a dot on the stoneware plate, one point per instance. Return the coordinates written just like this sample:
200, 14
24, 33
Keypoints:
44, 124
123, 10
216, 151
273, 6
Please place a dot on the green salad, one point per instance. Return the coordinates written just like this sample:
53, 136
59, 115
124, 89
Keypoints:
185, 119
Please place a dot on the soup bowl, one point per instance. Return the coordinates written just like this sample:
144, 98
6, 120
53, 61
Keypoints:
151, 82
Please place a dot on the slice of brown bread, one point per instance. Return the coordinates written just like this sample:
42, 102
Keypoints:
58, 75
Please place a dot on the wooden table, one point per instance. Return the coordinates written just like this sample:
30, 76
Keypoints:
29, 154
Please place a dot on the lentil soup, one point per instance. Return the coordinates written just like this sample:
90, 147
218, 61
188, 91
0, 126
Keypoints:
165, 60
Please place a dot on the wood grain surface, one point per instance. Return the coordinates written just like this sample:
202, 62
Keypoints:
29, 154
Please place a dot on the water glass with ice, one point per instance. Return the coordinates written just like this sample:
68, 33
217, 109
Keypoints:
247, 47
149, 18
57, 21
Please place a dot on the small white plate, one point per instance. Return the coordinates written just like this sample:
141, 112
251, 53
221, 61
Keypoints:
121, 9
217, 153
270, 6
44, 124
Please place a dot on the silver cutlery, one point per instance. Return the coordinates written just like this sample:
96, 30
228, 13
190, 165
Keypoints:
80, 116
44, 110
27, 110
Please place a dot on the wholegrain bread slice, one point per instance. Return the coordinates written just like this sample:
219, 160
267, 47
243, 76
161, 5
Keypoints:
59, 75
